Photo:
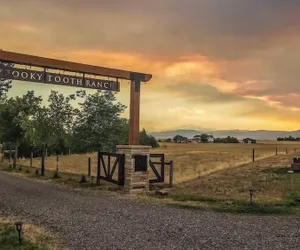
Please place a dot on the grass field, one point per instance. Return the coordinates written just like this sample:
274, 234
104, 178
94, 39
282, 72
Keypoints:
195, 160
191, 160
268, 177
219, 176
276, 190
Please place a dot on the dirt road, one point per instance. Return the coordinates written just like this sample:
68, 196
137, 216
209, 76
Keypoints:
90, 221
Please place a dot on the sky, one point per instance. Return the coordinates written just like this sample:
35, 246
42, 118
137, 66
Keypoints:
217, 64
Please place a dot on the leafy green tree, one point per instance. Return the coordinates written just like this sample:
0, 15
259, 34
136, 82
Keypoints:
14, 113
149, 140
228, 139
144, 138
98, 125
61, 115
179, 138
153, 142
197, 138
290, 138
50, 128
5, 84
204, 137
40, 131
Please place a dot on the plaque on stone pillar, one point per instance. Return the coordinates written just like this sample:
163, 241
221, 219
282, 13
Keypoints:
140, 163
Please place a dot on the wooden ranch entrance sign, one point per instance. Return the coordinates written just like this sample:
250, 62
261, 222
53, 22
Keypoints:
61, 79
75, 81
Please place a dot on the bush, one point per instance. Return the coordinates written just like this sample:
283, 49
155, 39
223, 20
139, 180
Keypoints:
148, 140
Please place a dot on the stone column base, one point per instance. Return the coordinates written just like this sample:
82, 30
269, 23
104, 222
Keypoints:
134, 182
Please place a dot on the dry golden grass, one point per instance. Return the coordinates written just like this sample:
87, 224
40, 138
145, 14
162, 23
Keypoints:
195, 160
76, 163
190, 160
34, 234
268, 177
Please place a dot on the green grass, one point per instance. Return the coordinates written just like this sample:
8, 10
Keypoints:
9, 240
233, 206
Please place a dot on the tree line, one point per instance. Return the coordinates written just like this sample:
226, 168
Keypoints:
290, 138
28, 125
203, 138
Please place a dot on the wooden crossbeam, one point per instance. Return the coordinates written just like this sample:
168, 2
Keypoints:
114, 167
104, 166
43, 62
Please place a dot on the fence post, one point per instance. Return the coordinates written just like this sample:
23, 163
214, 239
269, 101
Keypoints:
2, 157
98, 169
10, 153
57, 159
15, 156
31, 156
108, 167
162, 168
89, 167
171, 173
121, 169
253, 155
43, 161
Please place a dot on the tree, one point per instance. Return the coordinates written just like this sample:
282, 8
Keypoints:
144, 138
197, 138
290, 138
228, 139
40, 130
5, 84
149, 140
98, 125
14, 114
61, 116
153, 142
204, 137
179, 138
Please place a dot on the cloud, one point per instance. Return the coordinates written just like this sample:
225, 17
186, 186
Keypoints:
198, 92
237, 59
236, 107
184, 110
253, 88
273, 72
219, 29
288, 101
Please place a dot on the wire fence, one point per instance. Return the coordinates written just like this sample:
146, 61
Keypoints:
190, 161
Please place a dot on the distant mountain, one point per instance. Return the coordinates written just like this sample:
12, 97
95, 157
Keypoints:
170, 134
239, 134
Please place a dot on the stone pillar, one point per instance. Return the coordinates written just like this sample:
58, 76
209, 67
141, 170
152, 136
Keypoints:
134, 182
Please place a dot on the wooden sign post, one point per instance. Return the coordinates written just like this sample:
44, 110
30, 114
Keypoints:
134, 122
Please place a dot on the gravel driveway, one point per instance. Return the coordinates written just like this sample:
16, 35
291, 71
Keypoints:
90, 221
